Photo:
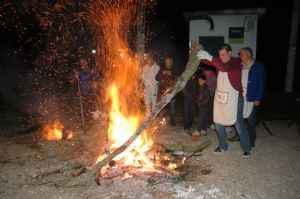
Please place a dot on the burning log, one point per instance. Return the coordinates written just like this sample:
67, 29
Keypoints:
124, 173
191, 68
81, 171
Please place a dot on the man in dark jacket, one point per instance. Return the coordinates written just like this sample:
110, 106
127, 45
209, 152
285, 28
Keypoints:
190, 94
167, 78
87, 79
211, 82
253, 80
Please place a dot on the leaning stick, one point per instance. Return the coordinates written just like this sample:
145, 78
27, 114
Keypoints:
191, 68
80, 101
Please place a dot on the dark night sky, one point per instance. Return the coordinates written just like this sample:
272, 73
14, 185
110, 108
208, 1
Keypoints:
171, 33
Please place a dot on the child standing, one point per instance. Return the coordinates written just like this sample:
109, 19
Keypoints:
203, 106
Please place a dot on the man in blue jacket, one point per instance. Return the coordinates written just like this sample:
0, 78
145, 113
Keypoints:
253, 81
87, 79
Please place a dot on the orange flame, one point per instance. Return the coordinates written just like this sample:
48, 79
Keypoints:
112, 21
53, 131
121, 128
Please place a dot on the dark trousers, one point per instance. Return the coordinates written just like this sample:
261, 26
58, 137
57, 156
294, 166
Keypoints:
210, 110
88, 105
170, 107
188, 113
202, 120
251, 126
172, 111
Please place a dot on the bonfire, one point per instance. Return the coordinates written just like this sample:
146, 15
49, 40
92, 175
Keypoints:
124, 94
129, 151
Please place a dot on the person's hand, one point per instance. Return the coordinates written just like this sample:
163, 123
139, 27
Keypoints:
256, 103
202, 54
166, 72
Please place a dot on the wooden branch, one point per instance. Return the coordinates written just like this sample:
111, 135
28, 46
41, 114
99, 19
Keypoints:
191, 68
180, 147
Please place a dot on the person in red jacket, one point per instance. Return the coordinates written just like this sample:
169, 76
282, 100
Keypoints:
228, 101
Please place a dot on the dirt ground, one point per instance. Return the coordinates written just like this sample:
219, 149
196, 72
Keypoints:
35, 168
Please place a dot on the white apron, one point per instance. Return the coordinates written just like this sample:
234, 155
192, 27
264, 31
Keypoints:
248, 106
225, 102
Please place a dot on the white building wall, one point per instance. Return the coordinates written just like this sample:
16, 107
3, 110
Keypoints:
221, 28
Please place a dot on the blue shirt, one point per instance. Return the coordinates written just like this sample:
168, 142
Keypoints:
85, 79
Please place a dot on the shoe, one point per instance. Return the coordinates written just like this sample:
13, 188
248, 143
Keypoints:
234, 138
196, 132
246, 155
212, 127
204, 133
218, 150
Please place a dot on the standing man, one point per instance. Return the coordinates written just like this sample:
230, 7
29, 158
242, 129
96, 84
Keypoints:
211, 82
190, 94
228, 101
150, 70
167, 78
253, 81
87, 78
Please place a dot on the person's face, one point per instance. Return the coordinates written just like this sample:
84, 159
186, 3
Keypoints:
149, 61
83, 63
245, 56
201, 82
224, 55
169, 63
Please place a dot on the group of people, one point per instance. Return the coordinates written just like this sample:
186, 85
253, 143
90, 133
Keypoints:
199, 93
157, 81
240, 88
227, 93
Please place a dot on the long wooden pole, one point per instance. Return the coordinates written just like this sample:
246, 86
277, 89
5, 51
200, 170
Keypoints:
80, 101
289, 78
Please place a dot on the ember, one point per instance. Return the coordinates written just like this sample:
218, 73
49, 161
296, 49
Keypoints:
56, 131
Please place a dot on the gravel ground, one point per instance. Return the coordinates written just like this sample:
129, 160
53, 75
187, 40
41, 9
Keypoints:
272, 171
